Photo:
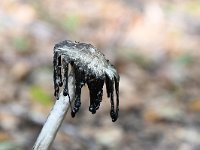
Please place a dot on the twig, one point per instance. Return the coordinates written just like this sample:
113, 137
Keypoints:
55, 118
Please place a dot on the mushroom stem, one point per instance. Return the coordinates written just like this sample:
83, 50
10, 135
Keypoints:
55, 118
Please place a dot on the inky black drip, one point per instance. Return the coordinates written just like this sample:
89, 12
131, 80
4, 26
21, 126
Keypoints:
94, 78
110, 94
96, 91
57, 73
79, 82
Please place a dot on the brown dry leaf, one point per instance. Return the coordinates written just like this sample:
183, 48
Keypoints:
163, 113
8, 121
4, 136
194, 105
151, 116
23, 13
20, 70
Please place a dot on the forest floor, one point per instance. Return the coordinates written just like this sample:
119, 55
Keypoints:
154, 46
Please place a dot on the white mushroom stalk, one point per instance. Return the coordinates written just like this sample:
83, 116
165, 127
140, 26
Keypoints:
55, 118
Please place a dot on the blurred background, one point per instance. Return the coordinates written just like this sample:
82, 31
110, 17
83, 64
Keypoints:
154, 44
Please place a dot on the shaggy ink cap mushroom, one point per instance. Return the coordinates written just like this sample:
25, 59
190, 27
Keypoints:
90, 67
